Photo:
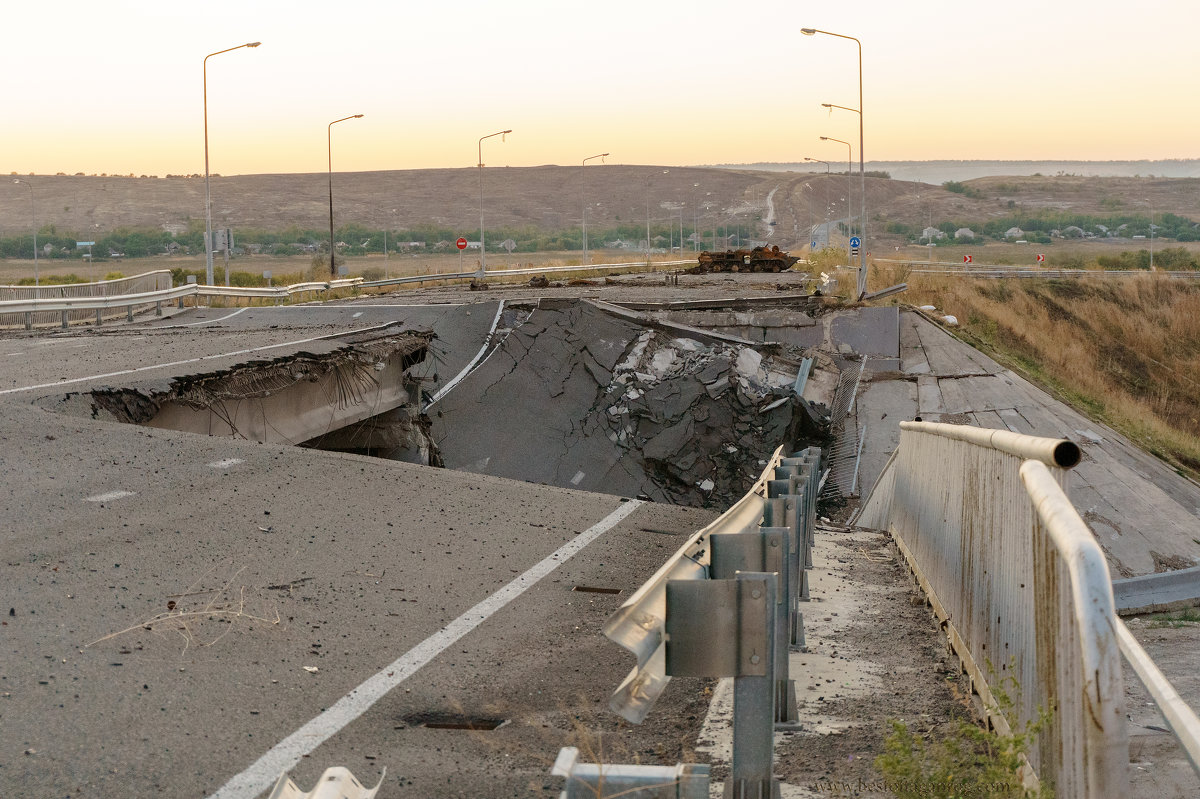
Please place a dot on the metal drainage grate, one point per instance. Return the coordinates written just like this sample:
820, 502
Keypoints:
453, 721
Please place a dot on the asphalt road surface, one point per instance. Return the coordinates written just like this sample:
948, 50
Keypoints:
190, 616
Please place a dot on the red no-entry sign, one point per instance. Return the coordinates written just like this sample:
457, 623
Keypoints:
461, 243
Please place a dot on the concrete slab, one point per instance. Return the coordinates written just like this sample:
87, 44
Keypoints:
869, 331
559, 403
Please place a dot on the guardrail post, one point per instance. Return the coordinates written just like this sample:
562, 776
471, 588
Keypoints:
99, 317
28, 320
764, 551
158, 308
128, 313
725, 628
64, 320
781, 512
787, 511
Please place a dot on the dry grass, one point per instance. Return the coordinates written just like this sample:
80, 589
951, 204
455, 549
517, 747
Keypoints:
197, 622
1124, 351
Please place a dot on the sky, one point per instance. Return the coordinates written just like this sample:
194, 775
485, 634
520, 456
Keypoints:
118, 87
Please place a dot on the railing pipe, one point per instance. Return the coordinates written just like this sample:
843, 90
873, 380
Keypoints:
1051, 451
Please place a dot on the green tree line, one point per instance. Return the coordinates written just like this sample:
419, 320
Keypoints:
359, 239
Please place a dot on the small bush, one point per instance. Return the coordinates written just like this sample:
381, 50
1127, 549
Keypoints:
966, 760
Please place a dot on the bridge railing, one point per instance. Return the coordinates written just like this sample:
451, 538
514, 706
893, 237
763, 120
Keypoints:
1022, 589
39, 306
35, 300
48, 304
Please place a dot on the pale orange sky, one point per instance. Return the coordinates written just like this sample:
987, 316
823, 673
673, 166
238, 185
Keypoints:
117, 87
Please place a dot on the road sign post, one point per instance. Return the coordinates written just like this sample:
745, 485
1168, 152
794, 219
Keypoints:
461, 244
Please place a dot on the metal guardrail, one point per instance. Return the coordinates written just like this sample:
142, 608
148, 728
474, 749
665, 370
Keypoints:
158, 280
24, 310
33, 306
500, 273
1021, 586
1005, 270
726, 604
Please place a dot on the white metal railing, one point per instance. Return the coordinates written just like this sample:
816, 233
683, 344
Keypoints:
29, 306
1008, 270
42, 309
531, 270
1021, 586
158, 280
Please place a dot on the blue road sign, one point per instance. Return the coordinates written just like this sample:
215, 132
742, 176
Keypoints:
855, 241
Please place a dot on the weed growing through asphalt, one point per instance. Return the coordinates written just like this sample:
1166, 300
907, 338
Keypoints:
1183, 618
968, 760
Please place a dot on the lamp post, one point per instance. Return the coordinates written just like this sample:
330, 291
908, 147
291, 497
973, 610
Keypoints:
826, 163
329, 144
33, 216
208, 262
482, 242
387, 220
849, 192
695, 219
582, 173
862, 269
648, 179
806, 191
1147, 201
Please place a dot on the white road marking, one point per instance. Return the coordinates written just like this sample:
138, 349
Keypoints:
263, 773
109, 496
207, 321
189, 360
355, 316
225, 464
577, 479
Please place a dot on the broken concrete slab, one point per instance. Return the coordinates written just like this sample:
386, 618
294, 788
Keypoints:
656, 417
287, 400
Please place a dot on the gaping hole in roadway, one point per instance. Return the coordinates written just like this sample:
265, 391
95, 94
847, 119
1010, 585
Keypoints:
674, 403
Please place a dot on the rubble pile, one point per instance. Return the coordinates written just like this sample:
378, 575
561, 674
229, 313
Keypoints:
703, 418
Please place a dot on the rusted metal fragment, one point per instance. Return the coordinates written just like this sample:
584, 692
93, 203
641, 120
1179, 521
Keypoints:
759, 259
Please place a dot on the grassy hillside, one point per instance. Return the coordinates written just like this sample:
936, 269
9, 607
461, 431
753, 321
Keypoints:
1125, 352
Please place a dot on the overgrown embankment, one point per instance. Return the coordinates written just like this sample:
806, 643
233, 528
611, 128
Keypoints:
1124, 351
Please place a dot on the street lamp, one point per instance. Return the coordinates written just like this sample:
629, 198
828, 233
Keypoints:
482, 242
849, 192
1147, 203
862, 269
386, 275
208, 262
581, 191
826, 185
329, 144
648, 179
695, 219
33, 216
